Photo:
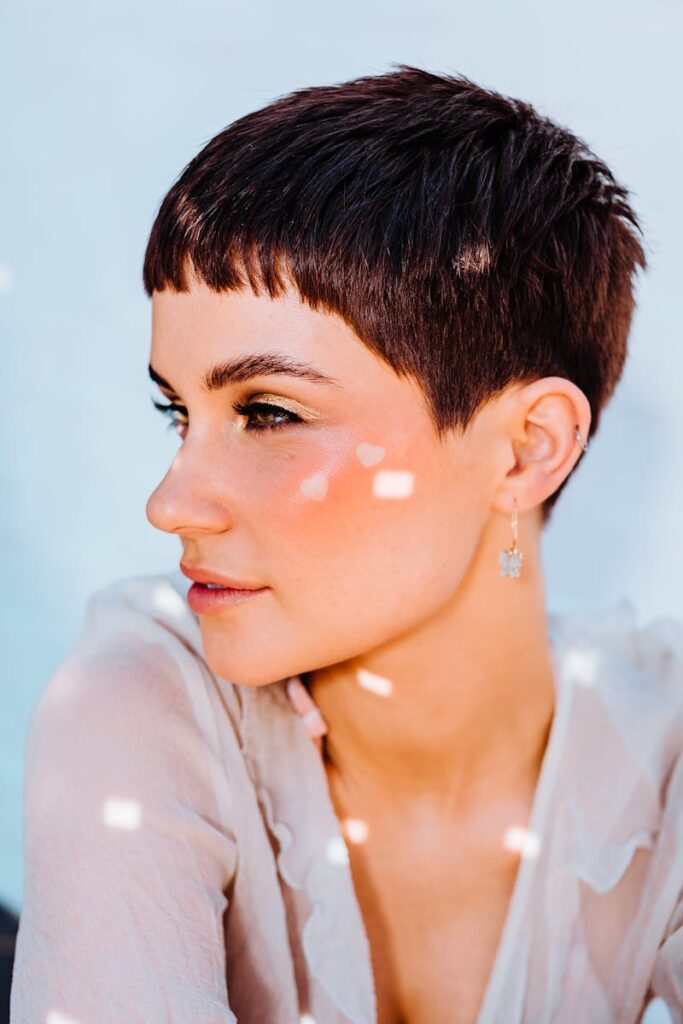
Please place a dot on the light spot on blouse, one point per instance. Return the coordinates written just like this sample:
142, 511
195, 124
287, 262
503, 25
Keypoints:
336, 851
521, 840
122, 813
170, 602
582, 665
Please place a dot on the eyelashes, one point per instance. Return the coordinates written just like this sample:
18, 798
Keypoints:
169, 411
249, 409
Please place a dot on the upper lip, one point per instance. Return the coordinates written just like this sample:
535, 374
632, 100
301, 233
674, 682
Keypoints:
201, 575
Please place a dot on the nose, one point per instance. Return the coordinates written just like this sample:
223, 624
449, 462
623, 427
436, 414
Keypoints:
186, 500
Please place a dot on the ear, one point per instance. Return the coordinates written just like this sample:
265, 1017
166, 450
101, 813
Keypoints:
540, 422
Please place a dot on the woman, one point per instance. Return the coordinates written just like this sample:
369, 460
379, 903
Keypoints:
359, 773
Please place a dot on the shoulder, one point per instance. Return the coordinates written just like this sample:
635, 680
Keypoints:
627, 661
621, 786
151, 607
626, 674
134, 629
133, 694
130, 822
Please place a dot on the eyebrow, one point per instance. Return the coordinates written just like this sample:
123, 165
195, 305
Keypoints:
243, 368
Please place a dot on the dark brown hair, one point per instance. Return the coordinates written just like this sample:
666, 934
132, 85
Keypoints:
468, 241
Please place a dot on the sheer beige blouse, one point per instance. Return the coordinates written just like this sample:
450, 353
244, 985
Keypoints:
184, 863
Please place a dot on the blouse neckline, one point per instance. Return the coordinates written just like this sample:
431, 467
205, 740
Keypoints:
533, 838
313, 853
597, 800
597, 667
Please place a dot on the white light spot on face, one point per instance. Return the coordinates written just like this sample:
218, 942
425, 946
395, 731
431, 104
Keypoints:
122, 813
520, 840
355, 830
54, 1017
376, 684
370, 454
306, 1018
336, 851
582, 665
393, 483
6, 279
657, 1012
314, 487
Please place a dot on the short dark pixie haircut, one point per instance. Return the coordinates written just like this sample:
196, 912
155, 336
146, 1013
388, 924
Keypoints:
468, 241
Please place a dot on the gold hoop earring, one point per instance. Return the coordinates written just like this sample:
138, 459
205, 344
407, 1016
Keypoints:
510, 559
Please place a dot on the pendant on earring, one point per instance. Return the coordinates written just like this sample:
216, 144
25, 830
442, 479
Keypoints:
510, 562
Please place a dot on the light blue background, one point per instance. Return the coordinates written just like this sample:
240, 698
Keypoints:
103, 104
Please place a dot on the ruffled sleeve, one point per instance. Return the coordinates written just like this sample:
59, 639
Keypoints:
128, 857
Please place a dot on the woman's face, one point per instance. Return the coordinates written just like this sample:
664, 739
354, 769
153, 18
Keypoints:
356, 517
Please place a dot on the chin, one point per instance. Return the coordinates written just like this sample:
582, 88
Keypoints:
247, 671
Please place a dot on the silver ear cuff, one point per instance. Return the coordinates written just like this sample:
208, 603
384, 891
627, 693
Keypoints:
577, 435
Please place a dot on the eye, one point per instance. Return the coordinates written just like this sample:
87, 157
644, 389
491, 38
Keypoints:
170, 410
268, 409
250, 410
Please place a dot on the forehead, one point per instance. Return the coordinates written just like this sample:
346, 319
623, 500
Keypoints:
202, 324
197, 330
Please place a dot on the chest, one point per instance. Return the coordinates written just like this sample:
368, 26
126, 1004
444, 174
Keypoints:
434, 903
432, 945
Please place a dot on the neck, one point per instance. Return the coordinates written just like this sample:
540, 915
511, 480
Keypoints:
455, 711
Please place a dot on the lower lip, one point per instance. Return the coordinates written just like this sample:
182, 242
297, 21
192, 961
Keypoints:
207, 601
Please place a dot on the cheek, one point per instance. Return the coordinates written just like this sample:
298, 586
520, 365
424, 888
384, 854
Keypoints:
322, 496
364, 508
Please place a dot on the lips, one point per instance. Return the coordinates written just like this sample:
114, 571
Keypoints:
204, 575
206, 600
